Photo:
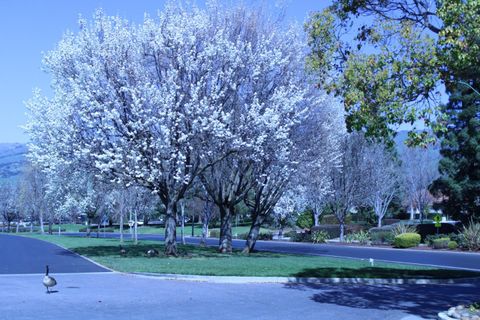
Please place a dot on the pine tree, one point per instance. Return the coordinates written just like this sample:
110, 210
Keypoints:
459, 184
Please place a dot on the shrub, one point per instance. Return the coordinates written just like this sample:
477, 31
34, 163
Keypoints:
452, 245
352, 228
440, 243
306, 237
300, 236
290, 234
333, 230
381, 237
381, 229
332, 219
431, 237
402, 228
319, 236
244, 236
390, 221
426, 229
406, 240
362, 237
263, 236
305, 220
470, 237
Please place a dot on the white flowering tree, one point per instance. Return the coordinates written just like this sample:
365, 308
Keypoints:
419, 170
265, 104
291, 202
320, 136
9, 206
285, 161
346, 179
382, 180
156, 104
32, 193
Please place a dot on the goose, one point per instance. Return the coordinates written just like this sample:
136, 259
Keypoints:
49, 281
152, 253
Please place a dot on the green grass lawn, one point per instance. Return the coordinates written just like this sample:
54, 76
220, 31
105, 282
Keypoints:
207, 261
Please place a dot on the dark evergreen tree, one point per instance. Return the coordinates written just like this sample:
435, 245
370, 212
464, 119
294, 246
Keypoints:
459, 184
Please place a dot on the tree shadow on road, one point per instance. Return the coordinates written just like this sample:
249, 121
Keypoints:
420, 300
397, 272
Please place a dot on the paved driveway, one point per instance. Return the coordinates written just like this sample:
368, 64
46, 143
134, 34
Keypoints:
119, 296
83, 293
26, 255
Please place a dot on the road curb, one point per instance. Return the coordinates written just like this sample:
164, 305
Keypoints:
298, 280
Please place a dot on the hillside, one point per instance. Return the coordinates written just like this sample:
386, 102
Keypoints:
12, 160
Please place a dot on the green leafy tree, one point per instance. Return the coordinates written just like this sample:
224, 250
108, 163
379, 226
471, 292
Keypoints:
459, 43
459, 185
305, 219
388, 73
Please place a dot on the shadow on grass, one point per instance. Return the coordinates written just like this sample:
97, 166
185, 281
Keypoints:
420, 300
385, 272
184, 251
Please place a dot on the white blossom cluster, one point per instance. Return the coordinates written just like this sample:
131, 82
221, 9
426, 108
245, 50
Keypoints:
158, 103
153, 104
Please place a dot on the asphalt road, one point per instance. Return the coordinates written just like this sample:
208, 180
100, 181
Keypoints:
447, 259
20, 255
114, 296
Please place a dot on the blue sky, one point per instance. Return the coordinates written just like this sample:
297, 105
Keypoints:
29, 28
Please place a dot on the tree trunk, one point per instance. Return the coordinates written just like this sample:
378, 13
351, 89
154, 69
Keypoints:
88, 226
98, 228
50, 226
205, 221
253, 234
182, 229
193, 225
226, 213
132, 236
121, 227
171, 230
17, 228
316, 216
42, 229
378, 213
203, 239
342, 230
135, 227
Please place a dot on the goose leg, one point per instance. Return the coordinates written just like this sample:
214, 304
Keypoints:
48, 291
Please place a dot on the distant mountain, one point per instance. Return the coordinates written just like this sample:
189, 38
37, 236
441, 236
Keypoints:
12, 160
